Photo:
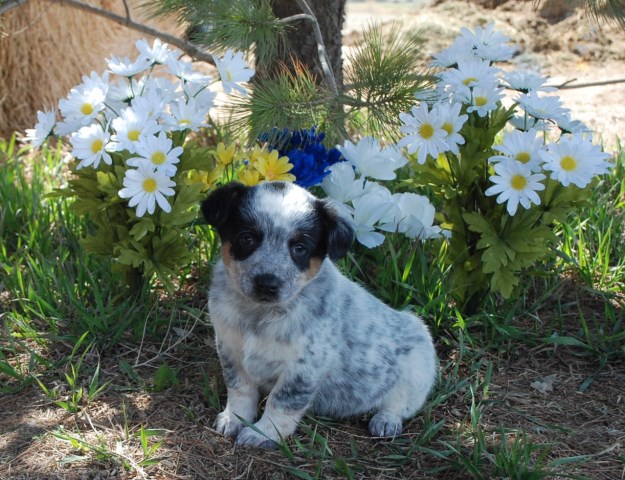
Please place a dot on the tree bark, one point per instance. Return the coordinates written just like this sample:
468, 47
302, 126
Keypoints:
301, 39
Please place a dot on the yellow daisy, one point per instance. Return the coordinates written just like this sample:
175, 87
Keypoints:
249, 176
224, 155
273, 168
207, 179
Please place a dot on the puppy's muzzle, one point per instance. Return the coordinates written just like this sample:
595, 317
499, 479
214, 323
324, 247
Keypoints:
267, 287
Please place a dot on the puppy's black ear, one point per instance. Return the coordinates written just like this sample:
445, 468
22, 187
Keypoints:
339, 231
218, 206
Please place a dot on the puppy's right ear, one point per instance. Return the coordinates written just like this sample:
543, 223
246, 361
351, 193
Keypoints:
339, 230
218, 206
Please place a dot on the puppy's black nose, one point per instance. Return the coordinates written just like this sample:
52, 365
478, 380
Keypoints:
267, 285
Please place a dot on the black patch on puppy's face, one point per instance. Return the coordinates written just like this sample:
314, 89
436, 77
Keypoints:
275, 236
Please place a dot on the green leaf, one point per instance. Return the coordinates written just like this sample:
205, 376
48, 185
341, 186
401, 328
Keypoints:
164, 378
7, 369
107, 183
477, 223
504, 281
185, 207
129, 371
142, 227
496, 256
134, 254
196, 158
101, 245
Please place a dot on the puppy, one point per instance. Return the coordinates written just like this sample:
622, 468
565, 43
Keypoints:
289, 324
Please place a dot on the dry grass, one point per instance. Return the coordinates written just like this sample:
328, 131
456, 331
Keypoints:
47, 49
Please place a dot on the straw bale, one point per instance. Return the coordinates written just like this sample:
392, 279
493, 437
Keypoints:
46, 50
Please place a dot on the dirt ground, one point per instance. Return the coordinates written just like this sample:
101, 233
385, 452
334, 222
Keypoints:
561, 397
543, 393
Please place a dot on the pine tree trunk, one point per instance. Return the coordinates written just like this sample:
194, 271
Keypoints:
303, 47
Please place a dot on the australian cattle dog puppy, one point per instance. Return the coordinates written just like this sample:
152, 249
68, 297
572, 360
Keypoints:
288, 324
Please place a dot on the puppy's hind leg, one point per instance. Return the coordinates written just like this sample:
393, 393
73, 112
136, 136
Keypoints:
400, 403
408, 395
385, 424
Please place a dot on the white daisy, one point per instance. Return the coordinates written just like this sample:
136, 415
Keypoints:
470, 74
157, 53
452, 55
370, 160
514, 183
567, 125
95, 81
131, 129
425, 133
543, 107
90, 144
120, 93
67, 127
82, 106
43, 128
184, 71
150, 104
163, 87
525, 123
145, 188
431, 95
526, 82
157, 151
233, 70
186, 116
487, 44
124, 67
481, 100
449, 113
574, 159
524, 147
204, 97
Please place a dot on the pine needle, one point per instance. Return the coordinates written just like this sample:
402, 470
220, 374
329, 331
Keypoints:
287, 100
383, 75
219, 25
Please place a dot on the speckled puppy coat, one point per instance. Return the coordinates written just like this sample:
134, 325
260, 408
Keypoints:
289, 324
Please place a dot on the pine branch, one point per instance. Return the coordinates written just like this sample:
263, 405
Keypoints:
241, 25
288, 100
609, 10
382, 77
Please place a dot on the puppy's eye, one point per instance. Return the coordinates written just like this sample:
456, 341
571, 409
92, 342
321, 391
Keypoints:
246, 240
299, 249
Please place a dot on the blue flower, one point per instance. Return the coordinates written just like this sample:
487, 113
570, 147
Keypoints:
307, 153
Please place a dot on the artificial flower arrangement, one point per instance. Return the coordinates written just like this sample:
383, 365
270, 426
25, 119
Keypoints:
500, 176
138, 172
503, 176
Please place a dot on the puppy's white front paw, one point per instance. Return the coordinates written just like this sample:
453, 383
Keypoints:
228, 424
384, 424
249, 436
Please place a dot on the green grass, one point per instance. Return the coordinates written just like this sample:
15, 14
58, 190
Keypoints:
62, 312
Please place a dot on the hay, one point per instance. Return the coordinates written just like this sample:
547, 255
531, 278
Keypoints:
47, 49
